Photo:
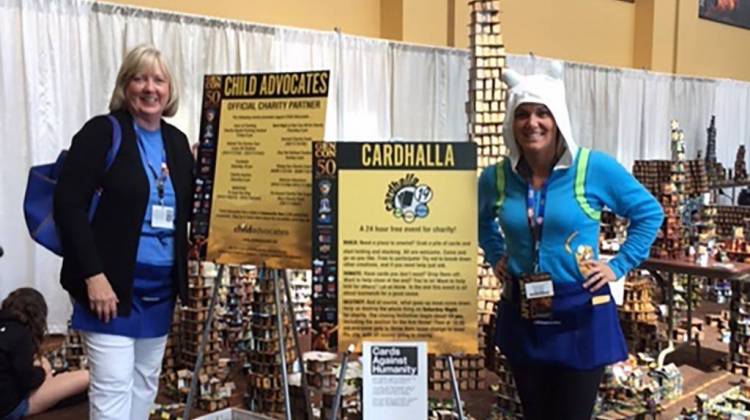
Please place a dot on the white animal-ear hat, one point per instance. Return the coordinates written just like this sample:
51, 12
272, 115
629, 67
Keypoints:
546, 89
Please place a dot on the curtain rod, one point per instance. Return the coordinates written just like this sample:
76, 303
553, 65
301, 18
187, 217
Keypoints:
211, 21
167, 16
623, 70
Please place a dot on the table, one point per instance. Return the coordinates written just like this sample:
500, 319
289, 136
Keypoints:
733, 271
729, 184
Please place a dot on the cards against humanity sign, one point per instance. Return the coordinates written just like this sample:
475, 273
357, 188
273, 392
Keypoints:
394, 380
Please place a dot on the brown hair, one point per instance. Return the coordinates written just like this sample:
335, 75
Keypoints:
28, 306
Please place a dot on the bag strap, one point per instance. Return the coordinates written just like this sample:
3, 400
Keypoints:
116, 140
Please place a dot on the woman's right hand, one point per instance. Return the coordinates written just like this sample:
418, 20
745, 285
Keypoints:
46, 366
43, 363
102, 299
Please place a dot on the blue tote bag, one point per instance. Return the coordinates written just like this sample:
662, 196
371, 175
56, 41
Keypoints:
40, 192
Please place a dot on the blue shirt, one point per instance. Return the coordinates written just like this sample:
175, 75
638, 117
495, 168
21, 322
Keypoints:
153, 288
607, 183
156, 245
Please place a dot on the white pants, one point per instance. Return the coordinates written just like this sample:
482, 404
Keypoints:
124, 375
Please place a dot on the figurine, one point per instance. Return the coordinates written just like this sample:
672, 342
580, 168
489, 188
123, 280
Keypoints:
322, 340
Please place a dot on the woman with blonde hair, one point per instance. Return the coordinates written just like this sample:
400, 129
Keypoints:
124, 267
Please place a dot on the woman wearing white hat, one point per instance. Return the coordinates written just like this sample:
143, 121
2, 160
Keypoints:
539, 215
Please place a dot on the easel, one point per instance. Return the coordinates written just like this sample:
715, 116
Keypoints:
454, 388
277, 275
202, 348
340, 385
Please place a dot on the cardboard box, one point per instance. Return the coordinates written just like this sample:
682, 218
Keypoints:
234, 413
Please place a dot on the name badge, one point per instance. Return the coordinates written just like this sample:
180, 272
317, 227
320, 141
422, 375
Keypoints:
536, 297
162, 217
539, 289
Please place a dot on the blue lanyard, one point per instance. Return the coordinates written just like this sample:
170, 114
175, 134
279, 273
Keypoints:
161, 176
536, 221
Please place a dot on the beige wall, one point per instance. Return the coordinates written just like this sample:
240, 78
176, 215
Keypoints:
670, 37
664, 33
355, 17
655, 23
416, 21
660, 35
644, 34
592, 31
392, 19
710, 48
426, 21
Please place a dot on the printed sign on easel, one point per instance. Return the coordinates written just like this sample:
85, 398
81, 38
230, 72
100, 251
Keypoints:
395, 244
253, 181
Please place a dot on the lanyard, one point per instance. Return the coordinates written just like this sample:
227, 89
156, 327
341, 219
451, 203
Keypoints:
536, 221
161, 176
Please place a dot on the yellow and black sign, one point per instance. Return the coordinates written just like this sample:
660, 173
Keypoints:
394, 243
254, 166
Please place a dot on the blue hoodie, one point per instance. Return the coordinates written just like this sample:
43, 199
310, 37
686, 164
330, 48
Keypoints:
605, 184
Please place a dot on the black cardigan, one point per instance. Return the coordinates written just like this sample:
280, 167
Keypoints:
18, 375
109, 244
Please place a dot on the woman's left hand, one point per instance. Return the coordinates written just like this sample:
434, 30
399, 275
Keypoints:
599, 275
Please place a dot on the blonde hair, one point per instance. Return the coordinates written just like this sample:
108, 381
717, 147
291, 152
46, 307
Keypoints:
138, 60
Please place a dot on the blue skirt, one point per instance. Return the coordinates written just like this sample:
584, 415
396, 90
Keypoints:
151, 310
578, 336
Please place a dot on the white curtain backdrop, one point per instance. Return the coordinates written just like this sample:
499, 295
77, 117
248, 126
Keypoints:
59, 59
364, 90
627, 112
442, 75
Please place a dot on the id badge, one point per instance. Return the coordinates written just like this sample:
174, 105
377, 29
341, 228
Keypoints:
536, 296
162, 217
